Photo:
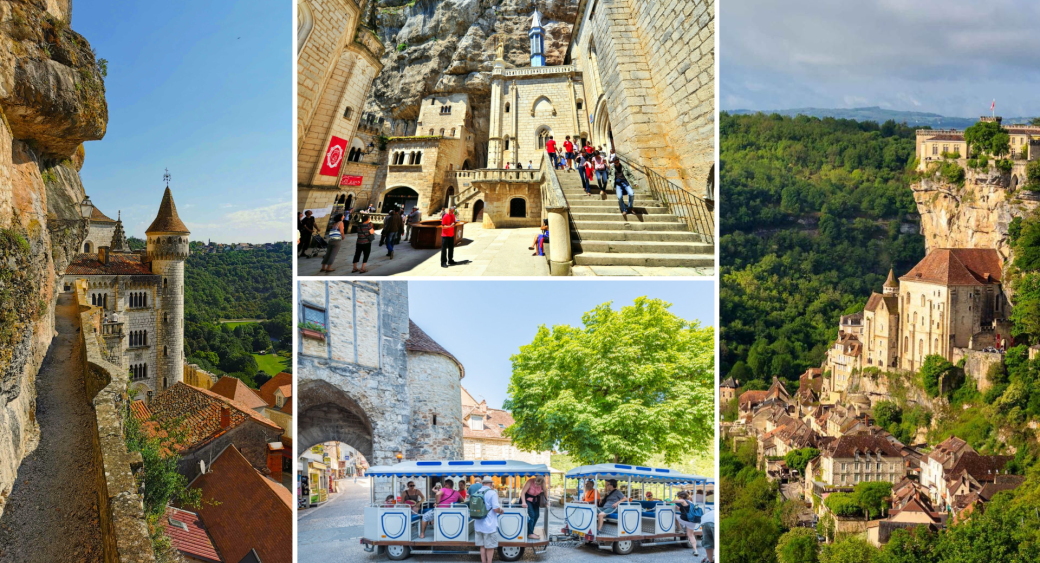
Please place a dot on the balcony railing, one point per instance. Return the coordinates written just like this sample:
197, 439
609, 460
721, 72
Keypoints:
695, 211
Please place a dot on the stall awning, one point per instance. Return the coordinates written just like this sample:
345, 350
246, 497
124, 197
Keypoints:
449, 468
636, 473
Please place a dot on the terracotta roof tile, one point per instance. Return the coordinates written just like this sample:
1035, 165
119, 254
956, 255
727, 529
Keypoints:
249, 512
167, 220
198, 411
982, 468
419, 341
268, 388
958, 266
96, 216
495, 422
140, 410
751, 398
233, 388
118, 264
193, 541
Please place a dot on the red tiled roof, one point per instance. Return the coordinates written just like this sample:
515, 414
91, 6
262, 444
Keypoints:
96, 216
268, 388
248, 512
194, 541
198, 412
286, 391
118, 264
287, 407
958, 266
752, 397
140, 410
419, 341
946, 137
167, 220
492, 419
981, 467
233, 388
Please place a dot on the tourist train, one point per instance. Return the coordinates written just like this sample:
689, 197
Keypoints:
394, 525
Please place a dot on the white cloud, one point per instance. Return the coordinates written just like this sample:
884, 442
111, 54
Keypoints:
262, 224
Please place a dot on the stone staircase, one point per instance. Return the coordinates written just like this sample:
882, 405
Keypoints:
652, 236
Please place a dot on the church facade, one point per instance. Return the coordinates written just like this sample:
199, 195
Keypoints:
142, 294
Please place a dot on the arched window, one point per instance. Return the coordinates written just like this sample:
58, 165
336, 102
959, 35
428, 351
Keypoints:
165, 317
104, 300
165, 282
418, 157
145, 336
507, 107
452, 131
165, 351
922, 300
411, 157
304, 25
442, 132
93, 299
507, 142
518, 207
87, 247
433, 102
906, 344
431, 131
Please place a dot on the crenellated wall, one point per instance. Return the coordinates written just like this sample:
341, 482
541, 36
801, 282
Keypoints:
124, 529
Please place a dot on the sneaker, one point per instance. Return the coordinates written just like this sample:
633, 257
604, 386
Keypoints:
443, 265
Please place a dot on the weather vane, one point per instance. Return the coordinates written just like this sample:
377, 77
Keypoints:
166, 177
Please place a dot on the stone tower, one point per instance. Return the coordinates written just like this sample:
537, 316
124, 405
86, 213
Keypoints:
167, 251
891, 285
119, 243
537, 35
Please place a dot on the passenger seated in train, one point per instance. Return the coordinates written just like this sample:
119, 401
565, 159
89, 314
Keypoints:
412, 496
590, 492
609, 503
445, 498
388, 502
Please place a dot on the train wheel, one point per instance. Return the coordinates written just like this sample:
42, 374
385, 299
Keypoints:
624, 547
510, 553
398, 552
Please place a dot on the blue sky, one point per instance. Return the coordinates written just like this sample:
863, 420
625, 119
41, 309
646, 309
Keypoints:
483, 323
204, 89
951, 57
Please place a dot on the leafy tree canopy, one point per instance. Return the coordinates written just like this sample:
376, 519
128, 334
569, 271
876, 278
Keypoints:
629, 384
797, 546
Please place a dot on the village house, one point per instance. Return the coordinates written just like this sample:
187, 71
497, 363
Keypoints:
483, 438
189, 536
728, 390
852, 459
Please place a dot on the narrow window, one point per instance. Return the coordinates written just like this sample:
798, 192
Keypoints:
346, 114
507, 107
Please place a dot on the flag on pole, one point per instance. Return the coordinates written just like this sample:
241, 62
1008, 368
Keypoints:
993, 107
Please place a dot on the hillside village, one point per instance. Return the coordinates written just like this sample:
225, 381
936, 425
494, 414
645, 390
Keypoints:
884, 416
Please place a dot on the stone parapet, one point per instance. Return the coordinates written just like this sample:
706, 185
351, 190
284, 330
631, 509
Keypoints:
124, 529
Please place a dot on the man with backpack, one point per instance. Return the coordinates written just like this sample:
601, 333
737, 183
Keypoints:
484, 509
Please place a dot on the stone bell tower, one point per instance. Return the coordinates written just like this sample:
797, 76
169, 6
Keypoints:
167, 251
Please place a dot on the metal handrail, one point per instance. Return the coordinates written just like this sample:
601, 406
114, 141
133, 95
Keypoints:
694, 210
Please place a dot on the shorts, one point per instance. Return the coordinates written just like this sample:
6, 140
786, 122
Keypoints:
685, 524
570, 156
708, 536
489, 541
427, 516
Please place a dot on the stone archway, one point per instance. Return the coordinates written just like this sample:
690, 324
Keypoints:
601, 131
402, 196
330, 414
478, 211
1014, 182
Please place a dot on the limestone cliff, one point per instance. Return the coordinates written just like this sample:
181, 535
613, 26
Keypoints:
973, 215
448, 46
52, 99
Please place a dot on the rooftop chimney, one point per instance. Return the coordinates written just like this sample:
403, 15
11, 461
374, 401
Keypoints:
102, 254
225, 417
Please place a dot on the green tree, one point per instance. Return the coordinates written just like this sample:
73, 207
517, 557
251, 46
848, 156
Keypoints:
849, 550
798, 459
934, 368
843, 504
629, 384
916, 545
887, 413
797, 546
748, 536
872, 497
987, 137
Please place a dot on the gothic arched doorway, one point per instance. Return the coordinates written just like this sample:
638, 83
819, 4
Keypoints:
466, 165
328, 414
448, 196
402, 196
478, 211
601, 132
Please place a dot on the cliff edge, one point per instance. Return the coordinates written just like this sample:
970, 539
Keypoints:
52, 99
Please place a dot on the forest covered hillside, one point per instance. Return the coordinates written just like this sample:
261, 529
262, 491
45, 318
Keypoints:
816, 213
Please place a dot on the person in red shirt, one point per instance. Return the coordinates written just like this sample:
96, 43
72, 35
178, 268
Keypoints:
448, 238
568, 150
590, 172
588, 149
550, 147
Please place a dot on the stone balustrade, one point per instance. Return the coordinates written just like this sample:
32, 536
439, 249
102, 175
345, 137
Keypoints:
124, 530
466, 177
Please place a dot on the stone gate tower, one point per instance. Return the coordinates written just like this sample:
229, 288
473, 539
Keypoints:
167, 251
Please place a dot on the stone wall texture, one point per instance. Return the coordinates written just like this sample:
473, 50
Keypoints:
361, 386
124, 529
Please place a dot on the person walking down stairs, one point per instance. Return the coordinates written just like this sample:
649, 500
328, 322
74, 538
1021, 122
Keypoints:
600, 164
621, 186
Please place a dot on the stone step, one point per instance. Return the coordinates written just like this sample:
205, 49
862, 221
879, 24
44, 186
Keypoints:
666, 260
662, 236
596, 225
640, 247
613, 208
632, 218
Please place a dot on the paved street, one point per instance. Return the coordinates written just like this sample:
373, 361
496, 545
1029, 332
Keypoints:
332, 532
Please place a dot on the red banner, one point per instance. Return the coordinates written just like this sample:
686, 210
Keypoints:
351, 180
333, 157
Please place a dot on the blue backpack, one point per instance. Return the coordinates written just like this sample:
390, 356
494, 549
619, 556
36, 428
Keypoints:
693, 512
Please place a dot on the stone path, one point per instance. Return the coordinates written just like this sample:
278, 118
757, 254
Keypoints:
332, 532
51, 516
490, 252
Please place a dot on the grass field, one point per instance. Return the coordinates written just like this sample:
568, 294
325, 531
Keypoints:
236, 324
271, 363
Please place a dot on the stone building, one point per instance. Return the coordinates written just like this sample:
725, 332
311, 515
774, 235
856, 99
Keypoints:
102, 229
952, 301
938, 145
852, 459
483, 434
371, 378
142, 294
337, 59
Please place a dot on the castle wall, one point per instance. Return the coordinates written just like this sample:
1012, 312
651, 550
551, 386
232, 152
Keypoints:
436, 425
432, 178
168, 253
430, 116
99, 234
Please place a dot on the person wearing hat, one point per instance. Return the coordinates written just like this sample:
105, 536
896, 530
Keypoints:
486, 529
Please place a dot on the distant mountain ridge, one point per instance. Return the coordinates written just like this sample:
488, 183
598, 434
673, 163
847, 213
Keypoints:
880, 115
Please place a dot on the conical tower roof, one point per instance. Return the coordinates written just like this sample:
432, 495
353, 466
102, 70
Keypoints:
890, 282
167, 220
536, 19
